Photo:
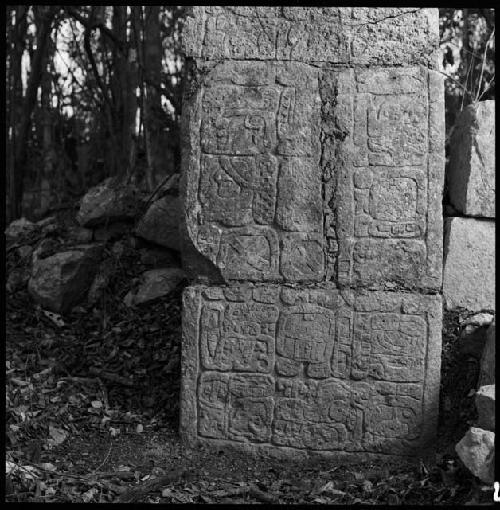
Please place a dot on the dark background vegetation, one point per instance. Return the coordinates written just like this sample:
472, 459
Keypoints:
95, 92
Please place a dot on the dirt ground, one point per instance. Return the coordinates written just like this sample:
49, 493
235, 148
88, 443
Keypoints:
92, 416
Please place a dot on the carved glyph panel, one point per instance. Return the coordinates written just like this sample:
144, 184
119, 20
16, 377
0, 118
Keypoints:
311, 369
301, 174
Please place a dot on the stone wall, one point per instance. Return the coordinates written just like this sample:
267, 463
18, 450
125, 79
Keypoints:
313, 162
469, 272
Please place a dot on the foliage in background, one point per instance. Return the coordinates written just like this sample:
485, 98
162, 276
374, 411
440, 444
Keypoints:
468, 52
92, 92
95, 92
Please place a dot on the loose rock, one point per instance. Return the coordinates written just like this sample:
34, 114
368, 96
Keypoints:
60, 281
154, 284
485, 404
477, 452
19, 227
108, 202
160, 223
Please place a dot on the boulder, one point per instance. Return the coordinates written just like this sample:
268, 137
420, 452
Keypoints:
485, 405
20, 227
160, 223
487, 369
108, 202
473, 334
471, 169
60, 281
477, 451
469, 266
153, 284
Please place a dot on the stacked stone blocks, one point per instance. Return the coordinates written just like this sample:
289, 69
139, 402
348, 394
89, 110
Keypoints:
469, 272
312, 183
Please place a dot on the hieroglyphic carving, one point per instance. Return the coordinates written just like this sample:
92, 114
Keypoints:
314, 368
305, 181
383, 36
258, 175
383, 176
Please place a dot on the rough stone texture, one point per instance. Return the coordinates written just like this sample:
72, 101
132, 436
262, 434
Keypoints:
311, 186
471, 170
343, 35
469, 267
487, 369
154, 284
108, 202
477, 451
316, 369
265, 200
61, 281
160, 223
485, 405
19, 227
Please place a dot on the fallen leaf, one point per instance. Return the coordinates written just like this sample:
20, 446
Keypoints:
57, 434
54, 317
96, 404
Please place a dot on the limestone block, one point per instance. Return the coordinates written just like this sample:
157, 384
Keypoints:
471, 170
343, 35
487, 368
477, 451
293, 173
285, 370
485, 405
153, 284
62, 280
107, 203
160, 223
469, 268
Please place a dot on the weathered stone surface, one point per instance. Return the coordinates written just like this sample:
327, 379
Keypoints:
342, 35
153, 284
20, 227
471, 170
487, 369
60, 281
315, 369
302, 174
485, 405
108, 202
160, 223
477, 451
469, 267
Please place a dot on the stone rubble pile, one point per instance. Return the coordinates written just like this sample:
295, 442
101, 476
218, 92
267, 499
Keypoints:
66, 273
476, 448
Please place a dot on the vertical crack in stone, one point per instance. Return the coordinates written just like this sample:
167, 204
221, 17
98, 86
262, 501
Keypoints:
308, 191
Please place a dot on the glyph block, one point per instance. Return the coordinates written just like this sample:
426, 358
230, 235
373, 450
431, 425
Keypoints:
314, 369
299, 174
341, 35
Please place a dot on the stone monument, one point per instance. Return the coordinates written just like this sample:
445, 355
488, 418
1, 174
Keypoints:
313, 165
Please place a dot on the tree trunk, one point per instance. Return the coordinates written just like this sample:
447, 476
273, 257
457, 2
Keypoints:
47, 17
15, 90
152, 108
